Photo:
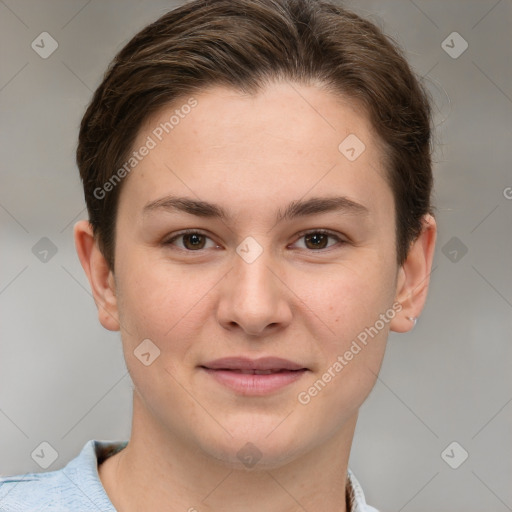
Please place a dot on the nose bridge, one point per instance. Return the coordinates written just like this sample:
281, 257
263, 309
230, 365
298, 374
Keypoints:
253, 279
253, 296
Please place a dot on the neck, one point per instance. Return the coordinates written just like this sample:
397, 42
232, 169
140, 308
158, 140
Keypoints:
157, 471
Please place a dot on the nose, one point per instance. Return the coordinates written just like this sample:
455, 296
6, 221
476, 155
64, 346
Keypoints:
254, 297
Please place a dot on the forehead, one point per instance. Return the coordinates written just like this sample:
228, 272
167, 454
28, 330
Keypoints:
286, 140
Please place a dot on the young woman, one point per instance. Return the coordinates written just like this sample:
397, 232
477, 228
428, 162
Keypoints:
258, 177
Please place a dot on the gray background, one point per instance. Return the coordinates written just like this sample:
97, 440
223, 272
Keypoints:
62, 376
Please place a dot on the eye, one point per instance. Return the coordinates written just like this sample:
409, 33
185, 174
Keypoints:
191, 240
318, 239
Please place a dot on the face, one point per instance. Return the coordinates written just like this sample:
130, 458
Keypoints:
298, 277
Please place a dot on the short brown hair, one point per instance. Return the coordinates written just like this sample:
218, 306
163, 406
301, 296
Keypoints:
244, 44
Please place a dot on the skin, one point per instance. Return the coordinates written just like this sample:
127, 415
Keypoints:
252, 155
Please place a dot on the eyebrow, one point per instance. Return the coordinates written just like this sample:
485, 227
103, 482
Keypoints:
299, 208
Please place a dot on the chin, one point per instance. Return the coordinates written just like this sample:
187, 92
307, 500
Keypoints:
257, 450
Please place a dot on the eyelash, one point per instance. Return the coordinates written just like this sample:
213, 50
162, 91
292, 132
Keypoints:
300, 235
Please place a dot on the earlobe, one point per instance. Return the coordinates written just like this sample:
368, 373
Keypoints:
99, 275
414, 277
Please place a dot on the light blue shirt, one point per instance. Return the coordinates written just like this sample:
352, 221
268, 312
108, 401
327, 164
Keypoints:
77, 486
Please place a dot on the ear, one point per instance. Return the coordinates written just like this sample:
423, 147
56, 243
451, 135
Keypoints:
414, 277
99, 274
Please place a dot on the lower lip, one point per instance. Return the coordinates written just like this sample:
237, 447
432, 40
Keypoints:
253, 384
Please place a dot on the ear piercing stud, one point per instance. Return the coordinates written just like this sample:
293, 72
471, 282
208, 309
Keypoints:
413, 319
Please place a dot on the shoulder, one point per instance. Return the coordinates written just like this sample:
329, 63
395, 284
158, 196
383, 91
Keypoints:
75, 487
32, 491
37, 491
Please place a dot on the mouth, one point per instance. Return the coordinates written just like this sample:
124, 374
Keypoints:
245, 364
253, 372
255, 377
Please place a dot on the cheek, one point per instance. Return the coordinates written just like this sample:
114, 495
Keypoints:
350, 303
349, 298
352, 356
156, 303
155, 298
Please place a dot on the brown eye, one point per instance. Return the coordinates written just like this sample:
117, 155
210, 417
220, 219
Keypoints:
193, 241
190, 241
319, 239
316, 240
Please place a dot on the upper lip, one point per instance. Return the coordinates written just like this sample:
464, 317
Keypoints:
244, 363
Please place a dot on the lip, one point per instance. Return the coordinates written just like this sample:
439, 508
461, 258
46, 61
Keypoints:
238, 374
245, 363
